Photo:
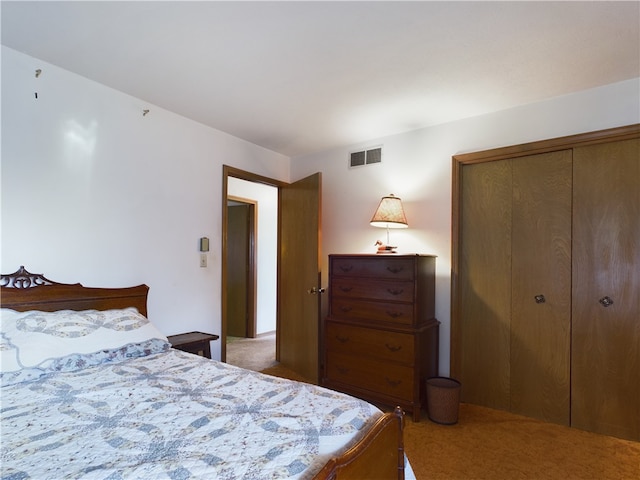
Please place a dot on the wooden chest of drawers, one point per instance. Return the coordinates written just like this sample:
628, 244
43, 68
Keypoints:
380, 338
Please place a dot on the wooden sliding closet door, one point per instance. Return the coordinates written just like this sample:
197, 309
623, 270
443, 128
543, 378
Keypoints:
545, 311
606, 289
541, 286
515, 285
485, 286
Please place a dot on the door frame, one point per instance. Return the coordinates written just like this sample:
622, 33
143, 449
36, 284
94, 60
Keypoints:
228, 171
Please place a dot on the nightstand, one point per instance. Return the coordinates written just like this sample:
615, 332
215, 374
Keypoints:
193, 342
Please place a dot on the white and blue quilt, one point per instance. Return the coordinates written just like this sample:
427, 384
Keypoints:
173, 415
101, 395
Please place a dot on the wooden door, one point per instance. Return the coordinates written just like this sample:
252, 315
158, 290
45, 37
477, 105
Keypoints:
541, 286
484, 283
298, 273
237, 270
605, 359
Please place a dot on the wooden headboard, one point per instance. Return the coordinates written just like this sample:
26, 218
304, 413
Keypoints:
24, 291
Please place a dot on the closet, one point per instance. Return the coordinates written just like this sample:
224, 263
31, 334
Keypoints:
546, 280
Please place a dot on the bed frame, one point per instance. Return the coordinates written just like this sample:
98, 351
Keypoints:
378, 455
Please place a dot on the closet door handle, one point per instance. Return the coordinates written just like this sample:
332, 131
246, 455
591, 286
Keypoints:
540, 299
606, 301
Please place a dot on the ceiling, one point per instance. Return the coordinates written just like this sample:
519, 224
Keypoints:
301, 77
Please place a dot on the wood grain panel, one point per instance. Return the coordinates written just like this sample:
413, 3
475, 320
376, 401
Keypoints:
395, 268
485, 283
541, 265
393, 290
237, 274
606, 263
299, 272
368, 311
375, 375
362, 341
605, 257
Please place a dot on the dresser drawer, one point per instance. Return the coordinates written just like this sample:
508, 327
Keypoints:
368, 342
399, 268
399, 313
370, 374
400, 291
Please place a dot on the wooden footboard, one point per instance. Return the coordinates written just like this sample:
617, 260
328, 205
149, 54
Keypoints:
379, 455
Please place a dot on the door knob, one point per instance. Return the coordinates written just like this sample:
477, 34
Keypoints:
315, 290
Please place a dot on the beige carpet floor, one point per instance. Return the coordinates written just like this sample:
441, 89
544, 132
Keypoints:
491, 444
252, 353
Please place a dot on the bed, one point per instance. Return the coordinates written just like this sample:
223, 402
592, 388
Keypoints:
91, 389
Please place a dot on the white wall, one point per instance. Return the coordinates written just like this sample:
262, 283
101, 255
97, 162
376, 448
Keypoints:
95, 192
266, 198
417, 167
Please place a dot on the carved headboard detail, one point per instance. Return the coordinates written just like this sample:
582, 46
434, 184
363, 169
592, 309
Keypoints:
21, 278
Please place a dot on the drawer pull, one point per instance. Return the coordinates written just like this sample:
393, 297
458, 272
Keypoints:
345, 309
343, 370
346, 268
342, 339
393, 348
395, 269
346, 289
395, 292
394, 314
393, 383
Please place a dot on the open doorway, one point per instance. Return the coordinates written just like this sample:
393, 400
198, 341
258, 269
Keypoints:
297, 269
251, 273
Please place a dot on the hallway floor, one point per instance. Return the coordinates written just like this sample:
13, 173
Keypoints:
252, 353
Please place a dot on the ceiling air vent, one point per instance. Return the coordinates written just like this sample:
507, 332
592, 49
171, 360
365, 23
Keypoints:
365, 157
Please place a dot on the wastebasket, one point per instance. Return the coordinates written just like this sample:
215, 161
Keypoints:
443, 400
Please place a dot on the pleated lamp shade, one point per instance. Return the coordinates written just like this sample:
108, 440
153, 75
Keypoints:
390, 213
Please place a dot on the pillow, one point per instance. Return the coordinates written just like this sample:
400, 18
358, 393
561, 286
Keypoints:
32, 339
